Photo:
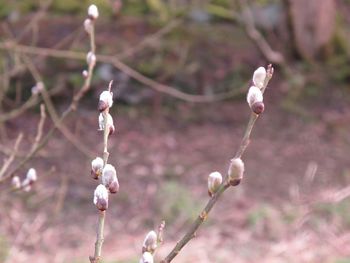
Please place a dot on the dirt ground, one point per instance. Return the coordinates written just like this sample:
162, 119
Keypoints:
289, 207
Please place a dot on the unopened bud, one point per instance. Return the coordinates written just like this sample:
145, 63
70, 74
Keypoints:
150, 242
96, 167
235, 171
93, 12
31, 175
110, 179
255, 100
101, 197
259, 77
91, 58
106, 100
214, 182
16, 183
37, 88
88, 25
146, 258
85, 73
110, 125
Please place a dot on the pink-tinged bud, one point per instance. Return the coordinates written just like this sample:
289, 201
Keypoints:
214, 182
85, 73
146, 258
235, 171
88, 25
106, 100
259, 77
150, 242
96, 167
37, 88
31, 175
93, 12
110, 179
16, 183
255, 100
101, 197
110, 125
258, 107
91, 58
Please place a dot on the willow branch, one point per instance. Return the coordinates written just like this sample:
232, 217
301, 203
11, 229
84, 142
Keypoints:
72, 107
191, 232
11, 158
169, 90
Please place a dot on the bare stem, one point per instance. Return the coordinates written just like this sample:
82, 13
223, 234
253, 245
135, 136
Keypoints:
100, 237
191, 232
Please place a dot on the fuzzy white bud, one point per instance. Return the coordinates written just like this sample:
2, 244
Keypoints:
235, 171
146, 258
93, 12
96, 167
91, 58
16, 183
101, 197
105, 101
88, 25
85, 73
101, 123
255, 100
37, 88
31, 175
150, 242
259, 77
214, 181
110, 179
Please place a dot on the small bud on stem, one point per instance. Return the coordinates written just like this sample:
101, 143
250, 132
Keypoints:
93, 12
259, 77
110, 179
101, 197
146, 258
150, 242
255, 100
96, 167
235, 171
214, 182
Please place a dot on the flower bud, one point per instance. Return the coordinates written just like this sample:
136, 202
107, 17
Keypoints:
31, 175
91, 58
146, 258
150, 242
214, 181
16, 183
96, 167
259, 77
93, 12
255, 100
88, 25
110, 179
110, 124
85, 73
235, 171
37, 88
106, 100
101, 197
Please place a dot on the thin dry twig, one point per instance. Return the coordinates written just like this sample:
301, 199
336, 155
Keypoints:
127, 70
72, 107
191, 232
8, 161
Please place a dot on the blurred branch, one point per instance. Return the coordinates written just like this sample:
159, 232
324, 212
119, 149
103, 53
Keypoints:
127, 70
191, 232
8, 161
72, 107
52, 111
254, 34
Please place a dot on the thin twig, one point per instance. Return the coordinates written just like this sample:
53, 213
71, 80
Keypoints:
72, 107
191, 232
172, 91
8, 162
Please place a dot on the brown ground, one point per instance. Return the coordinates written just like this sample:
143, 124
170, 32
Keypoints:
163, 164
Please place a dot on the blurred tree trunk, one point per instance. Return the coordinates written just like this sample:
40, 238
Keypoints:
313, 25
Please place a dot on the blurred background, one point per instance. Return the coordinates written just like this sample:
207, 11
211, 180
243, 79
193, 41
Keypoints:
181, 70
